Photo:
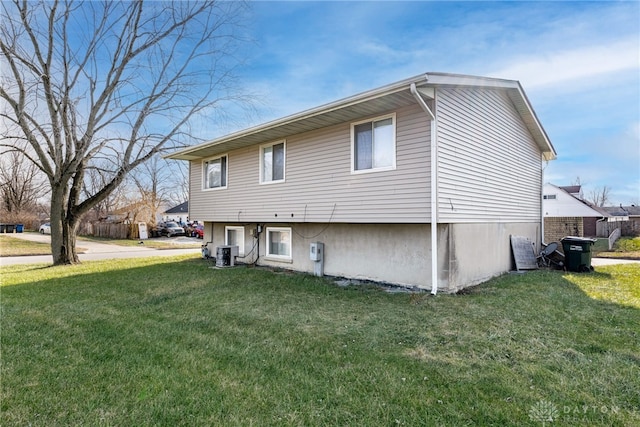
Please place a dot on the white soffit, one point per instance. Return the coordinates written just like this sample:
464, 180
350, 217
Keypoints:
370, 103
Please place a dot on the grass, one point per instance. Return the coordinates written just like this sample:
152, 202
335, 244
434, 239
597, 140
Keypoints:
174, 342
625, 247
13, 246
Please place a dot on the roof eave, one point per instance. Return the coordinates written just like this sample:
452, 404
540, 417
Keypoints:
521, 102
187, 153
513, 87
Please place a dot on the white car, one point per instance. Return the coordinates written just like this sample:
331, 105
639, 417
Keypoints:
45, 228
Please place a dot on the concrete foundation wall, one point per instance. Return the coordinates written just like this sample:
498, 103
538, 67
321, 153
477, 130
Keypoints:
474, 253
400, 254
393, 253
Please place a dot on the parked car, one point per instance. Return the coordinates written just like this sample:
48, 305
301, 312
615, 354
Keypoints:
45, 228
198, 231
170, 229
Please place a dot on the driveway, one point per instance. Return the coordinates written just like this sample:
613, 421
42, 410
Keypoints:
95, 251
597, 262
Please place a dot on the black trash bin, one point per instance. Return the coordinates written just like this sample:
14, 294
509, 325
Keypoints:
9, 228
577, 253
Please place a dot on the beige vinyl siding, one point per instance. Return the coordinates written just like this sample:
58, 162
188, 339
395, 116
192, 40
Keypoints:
319, 185
489, 167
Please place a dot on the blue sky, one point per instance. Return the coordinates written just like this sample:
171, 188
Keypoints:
579, 63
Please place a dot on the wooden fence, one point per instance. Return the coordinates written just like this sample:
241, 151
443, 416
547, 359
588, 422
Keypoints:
112, 231
605, 228
629, 227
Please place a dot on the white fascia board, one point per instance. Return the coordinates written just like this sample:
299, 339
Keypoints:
425, 84
303, 115
446, 79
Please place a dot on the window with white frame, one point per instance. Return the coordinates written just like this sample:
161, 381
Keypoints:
373, 144
279, 242
215, 173
272, 162
234, 236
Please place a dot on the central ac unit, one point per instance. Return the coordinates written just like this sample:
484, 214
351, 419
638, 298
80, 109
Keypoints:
226, 256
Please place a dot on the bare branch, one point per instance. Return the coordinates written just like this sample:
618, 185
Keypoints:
106, 86
600, 196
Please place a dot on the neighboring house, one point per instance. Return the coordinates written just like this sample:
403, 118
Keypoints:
627, 218
574, 190
566, 215
178, 213
417, 183
132, 213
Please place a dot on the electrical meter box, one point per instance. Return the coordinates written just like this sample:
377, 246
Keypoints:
316, 250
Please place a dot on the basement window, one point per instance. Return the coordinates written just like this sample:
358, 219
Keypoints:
234, 236
279, 242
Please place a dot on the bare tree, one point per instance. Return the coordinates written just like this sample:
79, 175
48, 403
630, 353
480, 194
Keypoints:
177, 183
21, 186
112, 83
577, 182
95, 179
151, 192
600, 196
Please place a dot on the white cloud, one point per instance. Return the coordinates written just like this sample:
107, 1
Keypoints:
572, 65
609, 159
579, 63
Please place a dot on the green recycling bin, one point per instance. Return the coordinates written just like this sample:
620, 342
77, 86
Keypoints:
577, 253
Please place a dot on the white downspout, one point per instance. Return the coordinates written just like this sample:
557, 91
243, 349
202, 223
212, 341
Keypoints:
425, 107
434, 190
542, 168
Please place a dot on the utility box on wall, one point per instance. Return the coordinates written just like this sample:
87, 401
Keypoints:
315, 251
316, 254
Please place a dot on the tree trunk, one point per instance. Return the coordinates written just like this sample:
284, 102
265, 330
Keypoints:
68, 254
63, 230
65, 98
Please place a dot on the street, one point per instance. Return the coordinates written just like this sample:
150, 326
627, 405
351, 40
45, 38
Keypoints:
95, 251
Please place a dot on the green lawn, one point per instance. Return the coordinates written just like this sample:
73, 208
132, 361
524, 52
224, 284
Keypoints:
175, 342
13, 246
625, 247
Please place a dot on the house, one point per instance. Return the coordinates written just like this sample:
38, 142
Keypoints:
565, 214
627, 218
418, 183
178, 213
132, 213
